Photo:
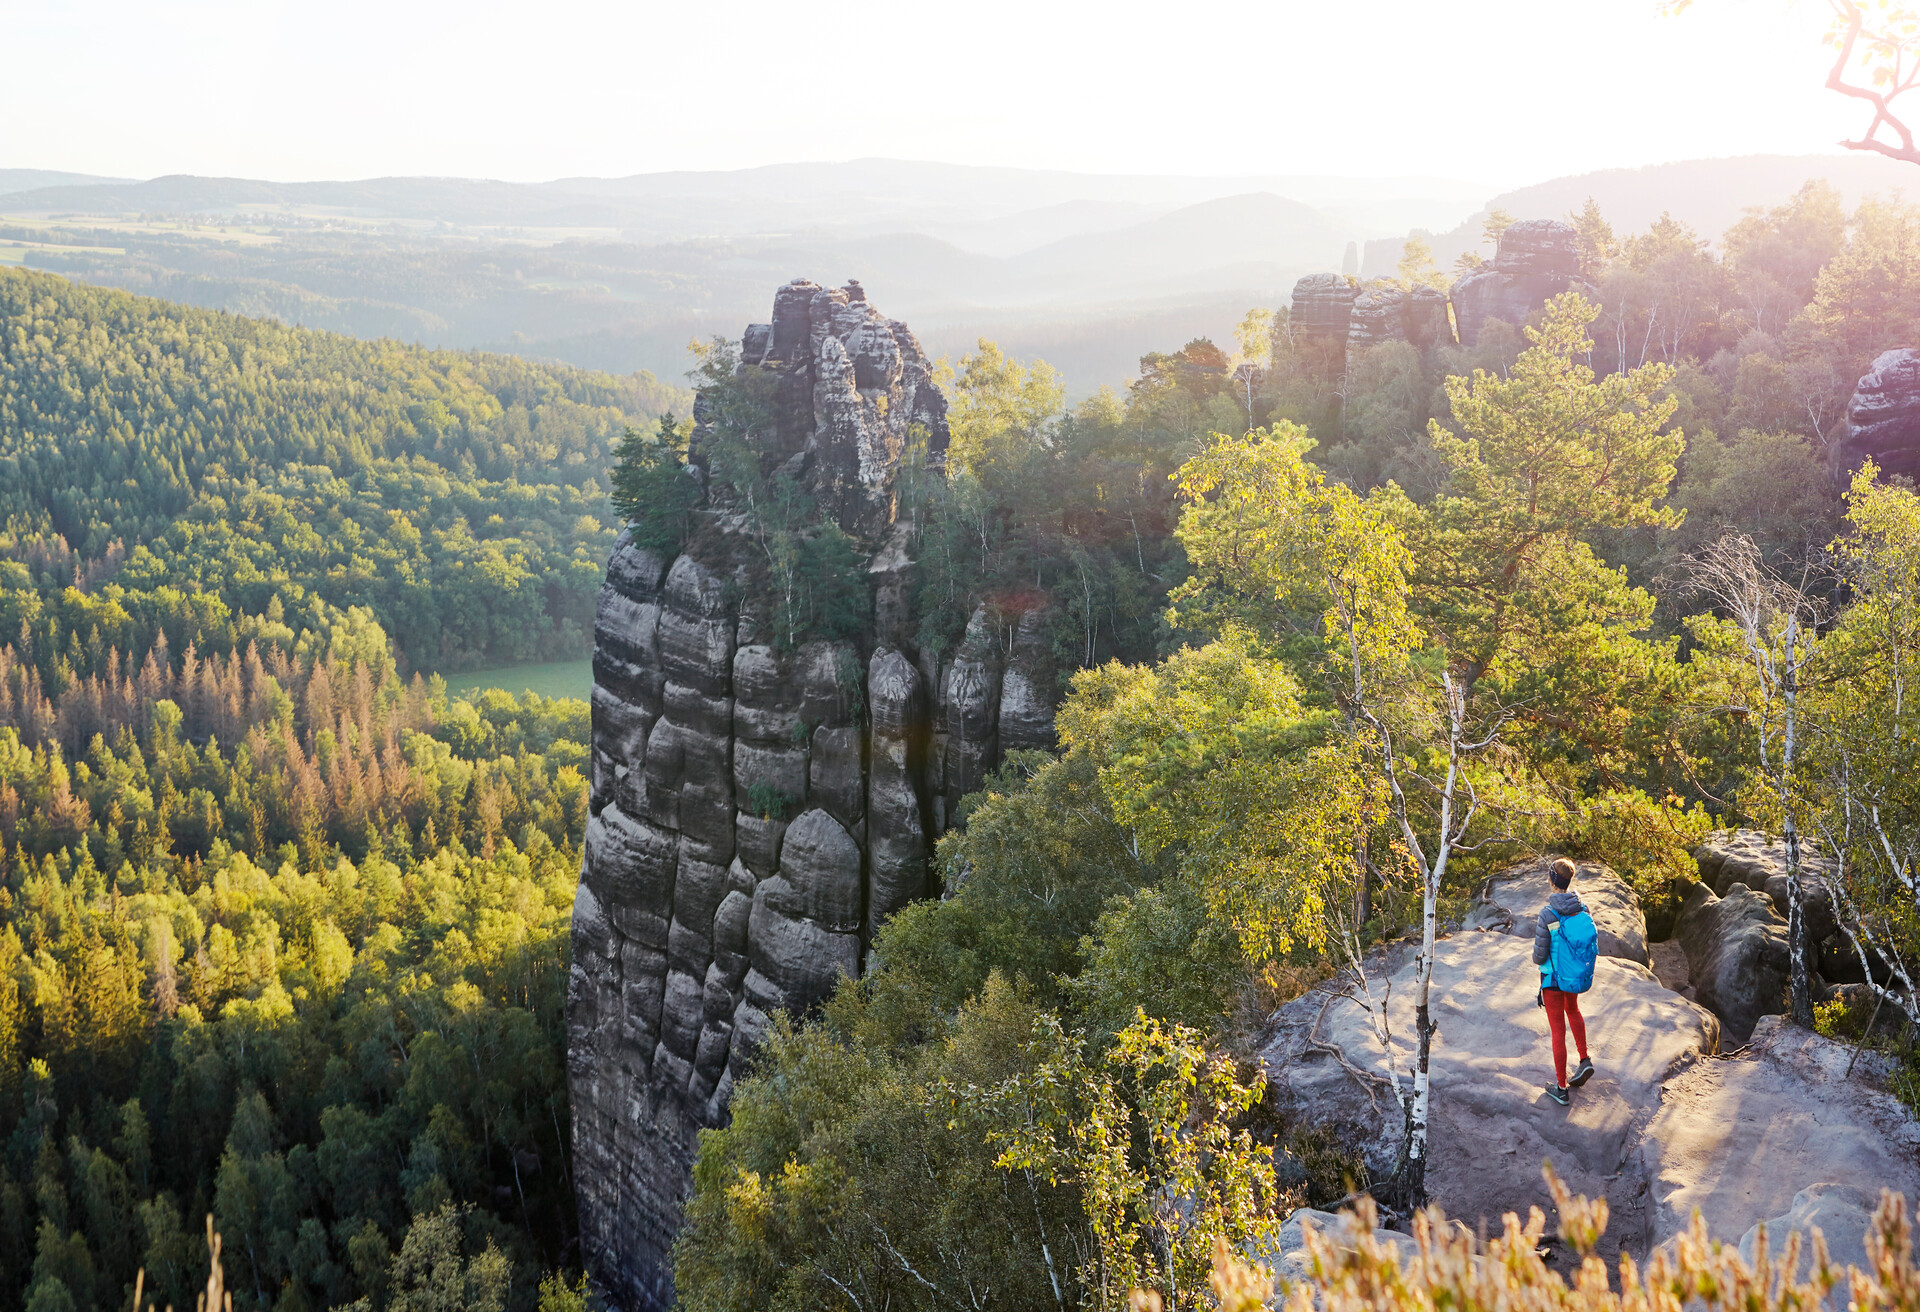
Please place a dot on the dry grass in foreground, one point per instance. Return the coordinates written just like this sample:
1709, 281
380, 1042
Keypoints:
1454, 1274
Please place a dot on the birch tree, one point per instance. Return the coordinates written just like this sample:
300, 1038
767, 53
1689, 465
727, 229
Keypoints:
1435, 627
1775, 622
1866, 709
1267, 533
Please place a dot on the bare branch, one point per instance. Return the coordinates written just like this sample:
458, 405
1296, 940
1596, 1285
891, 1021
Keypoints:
1890, 48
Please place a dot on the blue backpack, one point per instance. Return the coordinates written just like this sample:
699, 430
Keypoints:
1576, 945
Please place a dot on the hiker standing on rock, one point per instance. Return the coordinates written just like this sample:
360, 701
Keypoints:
1565, 944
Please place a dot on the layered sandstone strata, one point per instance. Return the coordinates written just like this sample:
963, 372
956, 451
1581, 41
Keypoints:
760, 809
1883, 419
1537, 260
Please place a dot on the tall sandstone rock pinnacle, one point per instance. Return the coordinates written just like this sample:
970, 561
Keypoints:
759, 809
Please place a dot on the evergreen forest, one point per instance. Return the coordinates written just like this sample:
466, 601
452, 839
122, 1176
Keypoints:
285, 926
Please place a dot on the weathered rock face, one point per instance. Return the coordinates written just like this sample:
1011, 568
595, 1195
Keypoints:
1784, 1134
1385, 312
1511, 903
1322, 309
759, 811
1538, 259
850, 387
1883, 418
1747, 856
1777, 1132
1736, 950
1334, 318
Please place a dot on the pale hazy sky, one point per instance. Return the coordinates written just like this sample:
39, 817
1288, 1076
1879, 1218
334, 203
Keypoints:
1498, 91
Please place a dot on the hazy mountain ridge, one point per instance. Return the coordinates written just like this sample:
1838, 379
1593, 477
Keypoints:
618, 273
860, 195
1708, 195
18, 180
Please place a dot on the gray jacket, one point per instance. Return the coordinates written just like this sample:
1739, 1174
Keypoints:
1566, 903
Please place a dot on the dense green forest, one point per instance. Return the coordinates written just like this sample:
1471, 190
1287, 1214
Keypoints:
207, 476
285, 931
284, 942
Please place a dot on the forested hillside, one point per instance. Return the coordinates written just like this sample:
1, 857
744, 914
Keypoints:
211, 475
283, 932
283, 941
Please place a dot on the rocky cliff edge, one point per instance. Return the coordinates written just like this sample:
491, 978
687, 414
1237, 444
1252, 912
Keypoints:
1775, 1130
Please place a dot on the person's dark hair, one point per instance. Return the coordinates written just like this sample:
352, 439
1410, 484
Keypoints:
1562, 873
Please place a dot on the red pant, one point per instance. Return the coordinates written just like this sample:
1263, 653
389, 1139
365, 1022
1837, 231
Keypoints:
1563, 1014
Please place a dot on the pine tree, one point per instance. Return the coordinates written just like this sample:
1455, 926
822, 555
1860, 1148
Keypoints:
653, 490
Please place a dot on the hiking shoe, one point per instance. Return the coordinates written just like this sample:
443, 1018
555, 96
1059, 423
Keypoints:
1558, 1093
1582, 1073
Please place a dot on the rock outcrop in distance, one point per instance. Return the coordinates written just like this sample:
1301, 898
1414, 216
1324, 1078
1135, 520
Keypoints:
1333, 316
1774, 1131
1883, 419
758, 811
1537, 260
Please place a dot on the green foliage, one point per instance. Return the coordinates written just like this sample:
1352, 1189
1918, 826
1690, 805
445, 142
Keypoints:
998, 408
805, 564
1212, 753
1550, 453
196, 470
1417, 267
1148, 1138
430, 1273
769, 803
1063, 513
653, 490
1160, 947
284, 941
852, 1174
1492, 576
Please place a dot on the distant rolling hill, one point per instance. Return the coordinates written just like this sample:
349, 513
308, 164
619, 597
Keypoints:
858, 196
18, 180
618, 273
1165, 252
1708, 195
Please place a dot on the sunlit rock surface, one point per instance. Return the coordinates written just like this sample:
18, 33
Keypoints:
1775, 1129
1386, 312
